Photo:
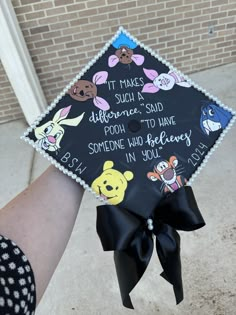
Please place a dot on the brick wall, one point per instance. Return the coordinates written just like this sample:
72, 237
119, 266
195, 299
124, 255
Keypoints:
63, 35
9, 107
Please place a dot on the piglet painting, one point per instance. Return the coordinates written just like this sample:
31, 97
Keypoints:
124, 52
83, 90
163, 81
50, 134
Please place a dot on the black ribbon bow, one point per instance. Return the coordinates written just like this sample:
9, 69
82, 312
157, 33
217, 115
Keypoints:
131, 238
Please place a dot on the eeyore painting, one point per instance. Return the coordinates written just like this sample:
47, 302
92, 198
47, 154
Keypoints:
213, 118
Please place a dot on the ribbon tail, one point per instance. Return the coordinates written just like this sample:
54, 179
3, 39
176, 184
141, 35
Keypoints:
178, 289
168, 250
115, 227
131, 264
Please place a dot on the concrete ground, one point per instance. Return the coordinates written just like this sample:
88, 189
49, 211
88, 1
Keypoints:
85, 280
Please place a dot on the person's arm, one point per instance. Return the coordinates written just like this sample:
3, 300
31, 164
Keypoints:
40, 221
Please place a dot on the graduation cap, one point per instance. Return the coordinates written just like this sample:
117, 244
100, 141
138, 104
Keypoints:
134, 131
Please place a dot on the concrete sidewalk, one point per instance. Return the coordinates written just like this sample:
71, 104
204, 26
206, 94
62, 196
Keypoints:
85, 281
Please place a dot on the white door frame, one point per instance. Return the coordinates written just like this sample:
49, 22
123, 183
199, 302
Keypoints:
18, 65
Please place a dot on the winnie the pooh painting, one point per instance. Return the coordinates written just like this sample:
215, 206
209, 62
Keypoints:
112, 184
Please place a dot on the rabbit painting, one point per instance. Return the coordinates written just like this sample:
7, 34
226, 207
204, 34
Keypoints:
83, 90
49, 135
163, 81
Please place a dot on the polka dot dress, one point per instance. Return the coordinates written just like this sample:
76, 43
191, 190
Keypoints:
17, 285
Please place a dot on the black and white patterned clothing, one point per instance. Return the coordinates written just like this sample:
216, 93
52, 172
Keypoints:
17, 283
